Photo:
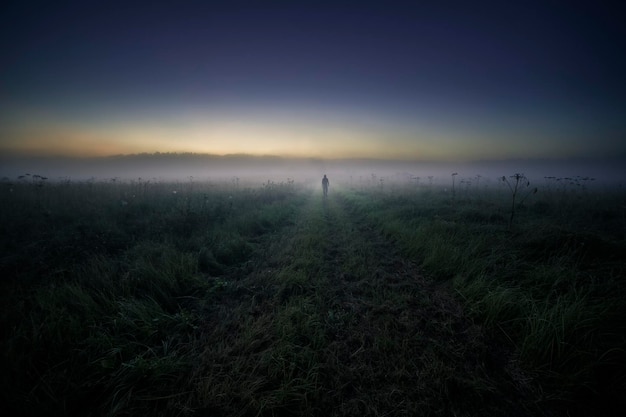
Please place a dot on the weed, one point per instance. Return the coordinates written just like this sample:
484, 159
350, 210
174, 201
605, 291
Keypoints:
225, 299
520, 180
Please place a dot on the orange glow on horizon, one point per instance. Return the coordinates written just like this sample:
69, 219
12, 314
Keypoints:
295, 137
220, 138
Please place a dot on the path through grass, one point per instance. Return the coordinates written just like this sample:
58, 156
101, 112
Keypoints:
333, 321
210, 299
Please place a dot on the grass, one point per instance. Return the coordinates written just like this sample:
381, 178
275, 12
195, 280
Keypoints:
103, 301
224, 299
552, 286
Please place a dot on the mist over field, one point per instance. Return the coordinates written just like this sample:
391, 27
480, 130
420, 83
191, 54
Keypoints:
168, 247
259, 169
241, 297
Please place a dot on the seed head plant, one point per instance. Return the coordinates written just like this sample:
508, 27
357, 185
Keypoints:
515, 185
454, 174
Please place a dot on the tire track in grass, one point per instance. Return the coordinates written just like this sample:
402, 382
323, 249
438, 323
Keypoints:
333, 320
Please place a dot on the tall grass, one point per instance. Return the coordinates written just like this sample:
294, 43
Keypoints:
105, 286
193, 298
552, 288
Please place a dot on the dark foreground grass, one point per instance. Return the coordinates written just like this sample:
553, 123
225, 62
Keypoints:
335, 322
105, 285
552, 286
207, 299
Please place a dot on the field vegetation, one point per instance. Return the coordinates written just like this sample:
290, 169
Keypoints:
386, 298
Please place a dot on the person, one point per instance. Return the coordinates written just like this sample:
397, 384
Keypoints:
325, 185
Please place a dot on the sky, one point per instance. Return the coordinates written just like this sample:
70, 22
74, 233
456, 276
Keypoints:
387, 80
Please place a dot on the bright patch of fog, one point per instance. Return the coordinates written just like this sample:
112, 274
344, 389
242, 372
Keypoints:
253, 169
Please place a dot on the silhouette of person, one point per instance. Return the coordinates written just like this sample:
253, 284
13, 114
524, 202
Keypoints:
325, 183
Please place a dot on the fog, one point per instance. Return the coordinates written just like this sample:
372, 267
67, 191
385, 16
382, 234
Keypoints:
255, 169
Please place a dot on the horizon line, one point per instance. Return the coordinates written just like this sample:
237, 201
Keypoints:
8, 154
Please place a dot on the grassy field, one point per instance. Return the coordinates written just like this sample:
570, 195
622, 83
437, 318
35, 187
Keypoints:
199, 298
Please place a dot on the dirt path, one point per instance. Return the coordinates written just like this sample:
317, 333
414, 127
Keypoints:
334, 321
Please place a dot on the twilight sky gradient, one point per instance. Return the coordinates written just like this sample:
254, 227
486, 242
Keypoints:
452, 81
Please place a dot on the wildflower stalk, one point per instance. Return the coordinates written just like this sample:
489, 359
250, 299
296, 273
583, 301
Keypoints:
514, 186
454, 174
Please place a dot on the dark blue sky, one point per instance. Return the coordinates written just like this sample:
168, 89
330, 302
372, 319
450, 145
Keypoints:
455, 80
